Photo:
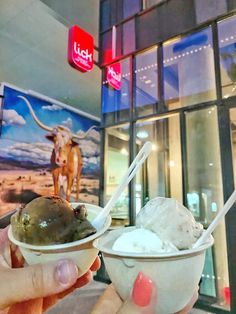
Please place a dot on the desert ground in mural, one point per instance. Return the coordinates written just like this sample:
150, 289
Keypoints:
22, 185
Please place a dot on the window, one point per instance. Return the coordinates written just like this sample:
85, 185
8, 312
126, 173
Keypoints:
131, 7
117, 163
150, 3
145, 82
128, 37
116, 102
161, 174
189, 73
205, 195
107, 47
105, 15
227, 45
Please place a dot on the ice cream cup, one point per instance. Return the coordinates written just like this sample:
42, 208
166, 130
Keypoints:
82, 251
176, 275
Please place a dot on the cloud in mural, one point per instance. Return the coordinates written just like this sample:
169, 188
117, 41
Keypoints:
36, 153
88, 148
11, 117
93, 135
68, 123
52, 107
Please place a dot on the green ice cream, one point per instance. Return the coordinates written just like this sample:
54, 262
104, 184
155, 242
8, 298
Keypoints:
50, 220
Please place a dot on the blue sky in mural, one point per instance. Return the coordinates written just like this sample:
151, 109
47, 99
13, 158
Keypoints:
23, 141
19, 125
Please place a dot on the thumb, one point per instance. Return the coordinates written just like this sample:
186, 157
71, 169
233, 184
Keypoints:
143, 297
36, 281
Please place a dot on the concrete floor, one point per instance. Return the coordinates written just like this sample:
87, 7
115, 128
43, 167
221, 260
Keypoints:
82, 301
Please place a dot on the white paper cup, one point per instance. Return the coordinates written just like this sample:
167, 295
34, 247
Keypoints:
176, 275
82, 252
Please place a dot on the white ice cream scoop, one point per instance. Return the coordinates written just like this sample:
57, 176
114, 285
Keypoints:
171, 221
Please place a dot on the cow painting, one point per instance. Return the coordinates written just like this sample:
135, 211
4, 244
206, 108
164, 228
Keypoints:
66, 160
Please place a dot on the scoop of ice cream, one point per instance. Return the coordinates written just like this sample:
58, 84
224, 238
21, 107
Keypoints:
141, 240
49, 220
171, 221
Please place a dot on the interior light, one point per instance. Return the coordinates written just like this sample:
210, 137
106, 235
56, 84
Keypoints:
142, 134
171, 163
124, 151
148, 82
154, 147
210, 164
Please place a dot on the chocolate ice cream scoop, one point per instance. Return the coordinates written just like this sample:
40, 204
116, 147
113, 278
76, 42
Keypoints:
50, 220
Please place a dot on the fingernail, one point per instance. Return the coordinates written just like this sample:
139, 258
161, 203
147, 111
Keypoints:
66, 272
142, 290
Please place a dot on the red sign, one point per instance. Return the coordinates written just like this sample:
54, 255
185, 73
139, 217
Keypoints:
114, 75
80, 49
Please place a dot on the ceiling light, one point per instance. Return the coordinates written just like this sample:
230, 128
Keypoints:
148, 82
142, 134
171, 163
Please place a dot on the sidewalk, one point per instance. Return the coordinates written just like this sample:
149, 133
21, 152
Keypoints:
83, 300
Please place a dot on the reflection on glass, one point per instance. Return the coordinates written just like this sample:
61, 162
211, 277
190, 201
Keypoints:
233, 139
131, 7
162, 173
107, 47
189, 74
205, 195
227, 45
149, 3
116, 102
117, 162
145, 82
105, 13
128, 37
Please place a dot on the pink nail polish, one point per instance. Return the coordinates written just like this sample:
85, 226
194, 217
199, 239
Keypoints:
66, 272
142, 290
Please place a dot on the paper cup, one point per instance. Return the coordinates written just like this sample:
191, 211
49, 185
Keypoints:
176, 275
82, 252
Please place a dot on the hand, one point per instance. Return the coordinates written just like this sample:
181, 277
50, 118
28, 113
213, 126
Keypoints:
142, 300
33, 289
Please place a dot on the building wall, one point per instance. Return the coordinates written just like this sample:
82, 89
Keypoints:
189, 116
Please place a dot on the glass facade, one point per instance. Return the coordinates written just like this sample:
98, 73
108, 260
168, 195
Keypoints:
180, 89
191, 54
116, 102
162, 173
227, 46
145, 82
205, 194
131, 7
117, 162
150, 3
128, 37
233, 139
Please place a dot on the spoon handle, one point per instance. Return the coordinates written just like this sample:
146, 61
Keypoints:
216, 220
132, 170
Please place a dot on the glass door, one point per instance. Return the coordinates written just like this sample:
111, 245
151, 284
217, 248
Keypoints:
204, 191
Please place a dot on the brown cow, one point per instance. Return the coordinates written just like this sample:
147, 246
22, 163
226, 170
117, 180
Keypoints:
66, 160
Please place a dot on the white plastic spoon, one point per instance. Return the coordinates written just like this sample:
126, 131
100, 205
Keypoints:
216, 220
133, 168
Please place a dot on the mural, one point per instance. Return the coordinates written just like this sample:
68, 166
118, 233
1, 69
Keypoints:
46, 149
